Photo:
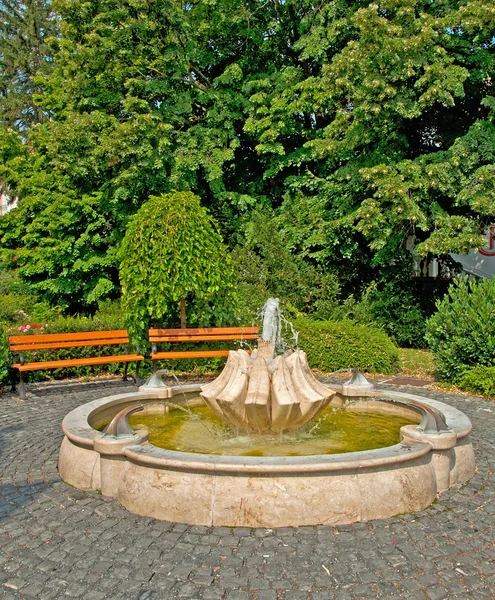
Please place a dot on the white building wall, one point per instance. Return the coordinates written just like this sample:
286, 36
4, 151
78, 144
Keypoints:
480, 262
6, 204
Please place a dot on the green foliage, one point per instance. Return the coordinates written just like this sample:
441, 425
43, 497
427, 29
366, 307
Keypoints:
381, 124
331, 346
267, 268
391, 304
5, 358
461, 334
18, 304
360, 124
172, 251
24, 53
62, 245
479, 380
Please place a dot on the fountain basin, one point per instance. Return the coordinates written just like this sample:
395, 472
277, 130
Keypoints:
276, 491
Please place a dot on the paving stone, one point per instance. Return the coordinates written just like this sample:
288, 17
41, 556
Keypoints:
238, 595
213, 594
267, 595
437, 594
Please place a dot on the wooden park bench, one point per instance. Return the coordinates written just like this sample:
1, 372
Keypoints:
204, 334
32, 343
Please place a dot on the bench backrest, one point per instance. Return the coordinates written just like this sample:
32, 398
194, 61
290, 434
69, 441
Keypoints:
203, 334
45, 341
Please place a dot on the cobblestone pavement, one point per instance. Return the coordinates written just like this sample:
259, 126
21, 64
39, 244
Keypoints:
59, 542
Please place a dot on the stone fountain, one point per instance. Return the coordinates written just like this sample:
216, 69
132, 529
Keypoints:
266, 392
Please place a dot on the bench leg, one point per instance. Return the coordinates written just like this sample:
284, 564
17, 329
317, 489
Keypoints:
22, 387
139, 381
125, 376
155, 366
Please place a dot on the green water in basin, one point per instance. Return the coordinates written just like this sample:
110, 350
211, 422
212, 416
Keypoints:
200, 431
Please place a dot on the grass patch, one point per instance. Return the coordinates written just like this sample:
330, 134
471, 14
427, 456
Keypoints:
416, 363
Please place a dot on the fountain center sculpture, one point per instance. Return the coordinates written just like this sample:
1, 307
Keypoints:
265, 391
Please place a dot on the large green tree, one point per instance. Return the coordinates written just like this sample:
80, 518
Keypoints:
360, 125
390, 135
145, 98
25, 27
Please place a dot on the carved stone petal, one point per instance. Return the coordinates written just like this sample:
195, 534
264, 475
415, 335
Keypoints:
211, 391
317, 385
231, 399
285, 404
311, 400
257, 404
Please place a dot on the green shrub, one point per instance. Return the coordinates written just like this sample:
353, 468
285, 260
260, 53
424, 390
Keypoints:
5, 361
24, 309
400, 315
18, 304
11, 283
479, 380
461, 334
266, 266
331, 346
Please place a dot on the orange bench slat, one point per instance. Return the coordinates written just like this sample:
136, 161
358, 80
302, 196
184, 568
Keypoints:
190, 354
206, 331
55, 345
78, 362
68, 337
200, 338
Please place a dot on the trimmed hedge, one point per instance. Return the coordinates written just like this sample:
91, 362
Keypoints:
479, 380
332, 345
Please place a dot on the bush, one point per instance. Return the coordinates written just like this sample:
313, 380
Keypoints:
400, 315
266, 267
4, 357
11, 283
331, 346
24, 309
479, 380
461, 334
18, 304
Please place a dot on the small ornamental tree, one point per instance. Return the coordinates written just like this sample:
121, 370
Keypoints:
174, 267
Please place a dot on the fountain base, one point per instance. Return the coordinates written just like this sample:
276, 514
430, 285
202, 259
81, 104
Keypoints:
276, 491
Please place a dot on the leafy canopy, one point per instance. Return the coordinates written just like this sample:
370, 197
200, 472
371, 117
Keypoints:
25, 27
173, 251
360, 125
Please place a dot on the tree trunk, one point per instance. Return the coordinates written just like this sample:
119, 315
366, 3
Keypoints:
183, 313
